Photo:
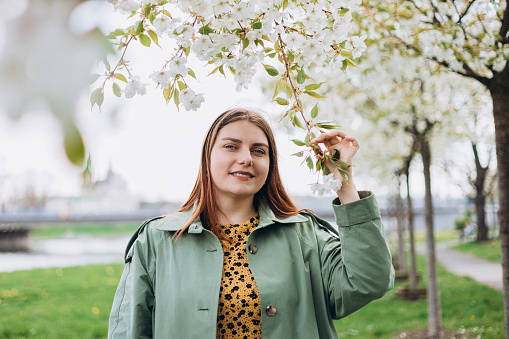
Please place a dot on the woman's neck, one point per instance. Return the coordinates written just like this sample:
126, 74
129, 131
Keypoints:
235, 211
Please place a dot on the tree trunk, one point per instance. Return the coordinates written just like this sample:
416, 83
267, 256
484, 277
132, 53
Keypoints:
434, 312
399, 219
410, 216
480, 199
499, 89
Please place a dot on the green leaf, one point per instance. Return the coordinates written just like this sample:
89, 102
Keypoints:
312, 87
314, 94
318, 165
191, 73
120, 77
206, 30
325, 170
285, 4
298, 154
335, 155
282, 101
296, 122
271, 70
309, 163
288, 89
154, 37
214, 70
118, 32
298, 142
116, 89
350, 62
301, 76
232, 70
138, 27
145, 40
256, 25
107, 64
93, 78
276, 91
176, 98
73, 144
314, 112
166, 94
245, 43
97, 97
181, 85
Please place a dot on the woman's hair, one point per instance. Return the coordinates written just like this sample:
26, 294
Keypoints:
272, 192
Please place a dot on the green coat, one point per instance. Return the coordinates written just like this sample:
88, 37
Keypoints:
302, 266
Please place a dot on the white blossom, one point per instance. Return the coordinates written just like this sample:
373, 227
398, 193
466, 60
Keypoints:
162, 78
190, 99
329, 185
135, 86
359, 45
164, 24
177, 65
125, 6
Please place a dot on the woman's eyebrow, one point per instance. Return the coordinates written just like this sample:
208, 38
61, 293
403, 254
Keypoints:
240, 141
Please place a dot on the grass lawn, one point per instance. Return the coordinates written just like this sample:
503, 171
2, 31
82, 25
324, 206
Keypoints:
467, 307
75, 303
93, 229
489, 250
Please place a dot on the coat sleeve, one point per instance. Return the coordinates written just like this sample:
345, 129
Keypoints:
132, 311
357, 264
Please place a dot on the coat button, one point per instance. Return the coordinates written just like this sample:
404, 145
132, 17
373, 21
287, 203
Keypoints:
253, 249
271, 311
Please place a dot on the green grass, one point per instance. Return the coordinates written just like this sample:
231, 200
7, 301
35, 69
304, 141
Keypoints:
465, 303
57, 303
93, 229
75, 303
440, 236
488, 250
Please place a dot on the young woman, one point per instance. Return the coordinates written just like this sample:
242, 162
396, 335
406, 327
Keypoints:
239, 260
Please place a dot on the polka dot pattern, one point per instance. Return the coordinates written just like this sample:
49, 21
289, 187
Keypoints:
239, 310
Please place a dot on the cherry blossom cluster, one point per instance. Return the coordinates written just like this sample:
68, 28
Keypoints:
329, 185
234, 36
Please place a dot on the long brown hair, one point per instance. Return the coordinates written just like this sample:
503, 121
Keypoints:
272, 192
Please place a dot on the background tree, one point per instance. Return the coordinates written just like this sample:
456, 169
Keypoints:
469, 38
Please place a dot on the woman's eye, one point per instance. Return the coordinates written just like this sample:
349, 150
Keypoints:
259, 151
230, 146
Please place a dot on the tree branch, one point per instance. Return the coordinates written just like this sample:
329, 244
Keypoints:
505, 27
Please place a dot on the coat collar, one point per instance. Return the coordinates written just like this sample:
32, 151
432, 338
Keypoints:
173, 222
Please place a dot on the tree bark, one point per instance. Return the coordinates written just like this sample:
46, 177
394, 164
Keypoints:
480, 198
410, 216
499, 89
399, 219
434, 312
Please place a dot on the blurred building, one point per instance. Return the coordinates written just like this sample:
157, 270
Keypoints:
110, 195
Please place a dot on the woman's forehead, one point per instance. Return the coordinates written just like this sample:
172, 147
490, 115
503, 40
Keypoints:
243, 131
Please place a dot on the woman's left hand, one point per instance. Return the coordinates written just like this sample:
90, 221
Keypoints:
347, 146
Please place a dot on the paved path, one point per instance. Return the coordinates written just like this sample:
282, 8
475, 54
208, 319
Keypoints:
483, 271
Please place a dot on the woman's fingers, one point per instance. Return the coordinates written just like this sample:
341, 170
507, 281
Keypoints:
335, 137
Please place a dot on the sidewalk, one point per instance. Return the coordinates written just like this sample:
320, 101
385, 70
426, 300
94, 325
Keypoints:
483, 271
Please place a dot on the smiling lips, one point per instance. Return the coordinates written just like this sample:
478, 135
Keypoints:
242, 175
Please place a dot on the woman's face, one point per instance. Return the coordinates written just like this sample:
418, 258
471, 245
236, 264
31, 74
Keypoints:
239, 160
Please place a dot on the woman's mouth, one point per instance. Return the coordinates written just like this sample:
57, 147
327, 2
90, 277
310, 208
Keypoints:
242, 174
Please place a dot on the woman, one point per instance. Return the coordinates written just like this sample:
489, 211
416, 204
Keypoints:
239, 260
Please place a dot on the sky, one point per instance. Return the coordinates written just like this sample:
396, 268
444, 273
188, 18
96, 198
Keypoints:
154, 147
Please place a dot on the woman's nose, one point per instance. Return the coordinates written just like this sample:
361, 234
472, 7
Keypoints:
246, 158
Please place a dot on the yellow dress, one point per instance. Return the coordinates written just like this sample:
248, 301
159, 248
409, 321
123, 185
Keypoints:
239, 310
